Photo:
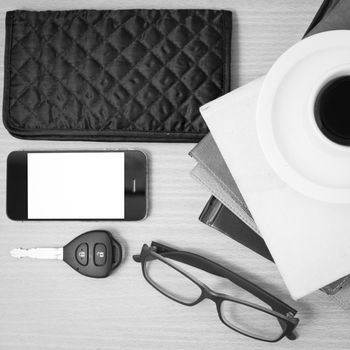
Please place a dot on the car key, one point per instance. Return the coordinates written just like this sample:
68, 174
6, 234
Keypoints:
93, 254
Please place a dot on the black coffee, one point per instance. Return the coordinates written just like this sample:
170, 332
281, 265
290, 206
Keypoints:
332, 110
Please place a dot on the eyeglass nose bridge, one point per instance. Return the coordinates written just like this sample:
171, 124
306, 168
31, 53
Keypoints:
212, 295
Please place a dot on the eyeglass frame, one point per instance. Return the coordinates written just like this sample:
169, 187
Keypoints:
280, 310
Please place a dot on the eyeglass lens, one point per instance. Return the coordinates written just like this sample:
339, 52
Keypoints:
171, 282
251, 321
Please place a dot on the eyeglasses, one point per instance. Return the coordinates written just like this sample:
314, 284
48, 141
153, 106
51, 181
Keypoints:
162, 267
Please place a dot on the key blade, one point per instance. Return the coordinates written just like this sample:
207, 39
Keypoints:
17, 253
38, 253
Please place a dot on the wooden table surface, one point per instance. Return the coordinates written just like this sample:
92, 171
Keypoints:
46, 305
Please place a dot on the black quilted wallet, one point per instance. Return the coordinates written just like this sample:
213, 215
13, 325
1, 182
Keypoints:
125, 75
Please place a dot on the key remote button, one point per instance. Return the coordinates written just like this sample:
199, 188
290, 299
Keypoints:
100, 254
82, 254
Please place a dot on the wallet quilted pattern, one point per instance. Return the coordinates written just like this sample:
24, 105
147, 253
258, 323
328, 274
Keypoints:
133, 75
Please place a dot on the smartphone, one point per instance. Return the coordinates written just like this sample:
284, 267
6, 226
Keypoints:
77, 185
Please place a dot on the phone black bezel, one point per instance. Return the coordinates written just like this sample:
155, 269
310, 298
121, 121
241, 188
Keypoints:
135, 203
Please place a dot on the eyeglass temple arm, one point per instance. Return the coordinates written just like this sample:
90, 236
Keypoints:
137, 258
218, 270
160, 248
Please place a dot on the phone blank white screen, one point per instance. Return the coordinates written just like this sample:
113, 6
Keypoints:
77, 185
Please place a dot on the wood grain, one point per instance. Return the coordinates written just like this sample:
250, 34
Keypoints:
46, 305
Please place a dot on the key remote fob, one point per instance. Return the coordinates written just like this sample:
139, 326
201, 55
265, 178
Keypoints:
93, 254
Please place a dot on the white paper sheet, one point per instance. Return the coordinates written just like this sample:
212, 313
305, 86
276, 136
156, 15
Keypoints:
309, 240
